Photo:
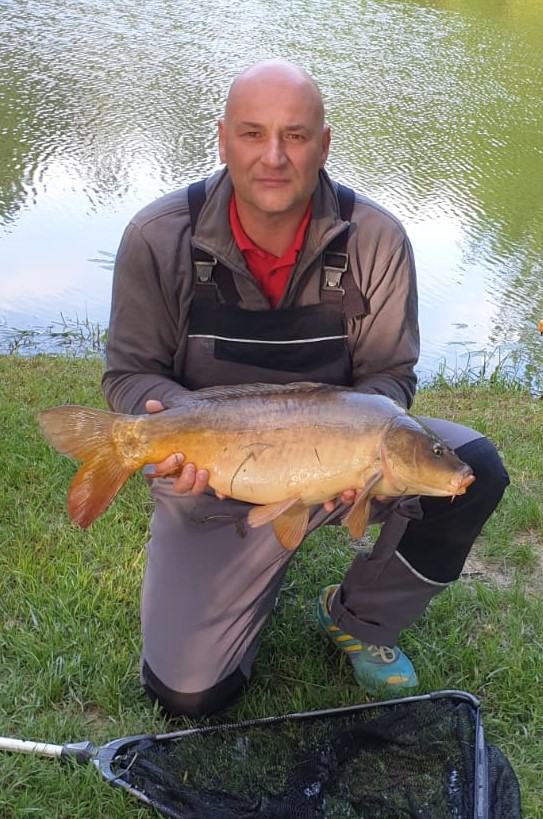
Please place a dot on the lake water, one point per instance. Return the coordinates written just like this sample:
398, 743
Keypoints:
436, 108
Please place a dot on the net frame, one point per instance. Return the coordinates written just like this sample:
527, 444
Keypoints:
106, 757
109, 753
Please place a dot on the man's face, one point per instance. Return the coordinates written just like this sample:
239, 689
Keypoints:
274, 142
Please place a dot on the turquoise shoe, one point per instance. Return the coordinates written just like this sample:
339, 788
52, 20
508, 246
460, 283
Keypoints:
382, 669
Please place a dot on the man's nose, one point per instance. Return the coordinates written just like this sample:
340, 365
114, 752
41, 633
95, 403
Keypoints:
274, 153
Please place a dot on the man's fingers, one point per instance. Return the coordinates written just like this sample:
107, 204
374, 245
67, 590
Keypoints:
201, 481
186, 477
169, 466
347, 496
152, 405
191, 480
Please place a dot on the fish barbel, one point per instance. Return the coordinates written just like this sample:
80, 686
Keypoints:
281, 448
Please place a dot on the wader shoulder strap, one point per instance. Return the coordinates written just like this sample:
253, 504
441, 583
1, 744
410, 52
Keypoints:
209, 274
338, 283
337, 279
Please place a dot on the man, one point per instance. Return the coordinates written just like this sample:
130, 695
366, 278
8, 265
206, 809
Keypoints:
275, 285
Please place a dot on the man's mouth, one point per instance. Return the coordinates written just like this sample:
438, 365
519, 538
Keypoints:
272, 182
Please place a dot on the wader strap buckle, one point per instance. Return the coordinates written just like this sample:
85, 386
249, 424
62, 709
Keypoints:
337, 280
203, 270
334, 266
335, 259
204, 283
203, 263
211, 277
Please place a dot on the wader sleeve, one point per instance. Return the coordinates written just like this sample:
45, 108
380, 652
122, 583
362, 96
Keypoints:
385, 342
143, 332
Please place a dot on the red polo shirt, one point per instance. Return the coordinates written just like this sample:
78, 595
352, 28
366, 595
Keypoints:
271, 272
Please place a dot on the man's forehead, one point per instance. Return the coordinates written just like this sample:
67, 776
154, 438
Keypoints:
287, 105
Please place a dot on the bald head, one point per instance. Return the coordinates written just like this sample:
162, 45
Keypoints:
276, 74
274, 141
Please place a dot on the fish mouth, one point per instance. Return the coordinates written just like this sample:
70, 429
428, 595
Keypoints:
457, 486
460, 485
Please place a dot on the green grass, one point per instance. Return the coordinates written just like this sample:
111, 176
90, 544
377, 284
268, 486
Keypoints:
69, 627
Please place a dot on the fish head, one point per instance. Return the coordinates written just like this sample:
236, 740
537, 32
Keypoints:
416, 462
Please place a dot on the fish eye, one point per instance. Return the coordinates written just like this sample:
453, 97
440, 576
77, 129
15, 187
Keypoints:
437, 449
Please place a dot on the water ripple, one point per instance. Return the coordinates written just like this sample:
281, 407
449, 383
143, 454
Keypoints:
435, 113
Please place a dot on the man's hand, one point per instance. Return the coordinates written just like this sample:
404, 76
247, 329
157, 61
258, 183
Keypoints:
186, 477
347, 496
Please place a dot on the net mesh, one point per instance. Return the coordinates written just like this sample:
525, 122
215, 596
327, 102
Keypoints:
410, 758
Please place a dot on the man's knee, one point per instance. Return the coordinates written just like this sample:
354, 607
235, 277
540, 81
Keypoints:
194, 704
437, 545
490, 473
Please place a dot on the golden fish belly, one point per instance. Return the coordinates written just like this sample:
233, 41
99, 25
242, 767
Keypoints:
267, 466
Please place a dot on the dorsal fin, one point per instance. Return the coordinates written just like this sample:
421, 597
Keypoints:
244, 390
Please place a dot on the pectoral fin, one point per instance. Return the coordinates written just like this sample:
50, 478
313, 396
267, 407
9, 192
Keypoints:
259, 515
291, 526
289, 518
357, 518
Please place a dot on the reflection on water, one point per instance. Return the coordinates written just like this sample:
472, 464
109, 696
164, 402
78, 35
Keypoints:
436, 111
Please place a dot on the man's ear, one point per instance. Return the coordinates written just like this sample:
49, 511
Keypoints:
222, 153
326, 136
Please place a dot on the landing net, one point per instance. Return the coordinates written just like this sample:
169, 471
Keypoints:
423, 757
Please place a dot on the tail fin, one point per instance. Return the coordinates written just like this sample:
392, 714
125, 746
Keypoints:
87, 435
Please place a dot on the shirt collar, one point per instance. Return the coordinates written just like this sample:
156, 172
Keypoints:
245, 243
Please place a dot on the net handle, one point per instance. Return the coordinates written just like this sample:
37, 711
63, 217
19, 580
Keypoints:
24, 746
82, 752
